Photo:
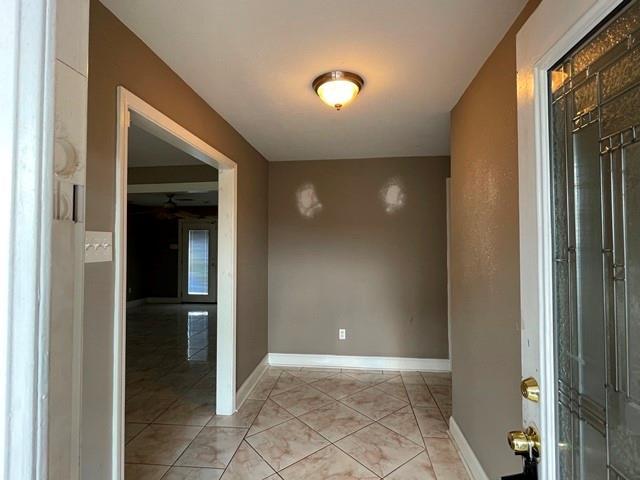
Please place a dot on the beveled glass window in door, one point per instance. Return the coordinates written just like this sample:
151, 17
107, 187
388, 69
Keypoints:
595, 133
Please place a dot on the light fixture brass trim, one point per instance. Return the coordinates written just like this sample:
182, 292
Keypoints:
334, 75
338, 75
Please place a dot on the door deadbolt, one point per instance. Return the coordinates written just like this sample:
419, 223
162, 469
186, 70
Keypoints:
530, 389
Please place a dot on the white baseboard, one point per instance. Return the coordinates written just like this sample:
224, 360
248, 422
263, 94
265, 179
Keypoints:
466, 452
251, 381
136, 303
352, 361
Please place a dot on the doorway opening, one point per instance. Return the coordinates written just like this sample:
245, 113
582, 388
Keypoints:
175, 244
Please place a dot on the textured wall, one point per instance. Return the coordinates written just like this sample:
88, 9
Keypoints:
381, 275
183, 173
118, 57
485, 294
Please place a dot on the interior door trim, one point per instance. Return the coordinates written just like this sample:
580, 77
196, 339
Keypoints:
155, 122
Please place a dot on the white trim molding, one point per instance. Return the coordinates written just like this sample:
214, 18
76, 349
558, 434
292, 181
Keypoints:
27, 59
471, 462
353, 361
549, 34
131, 107
251, 381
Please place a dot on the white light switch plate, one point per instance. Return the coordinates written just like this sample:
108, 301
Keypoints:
98, 247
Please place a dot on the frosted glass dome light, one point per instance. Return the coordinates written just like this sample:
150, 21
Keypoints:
338, 88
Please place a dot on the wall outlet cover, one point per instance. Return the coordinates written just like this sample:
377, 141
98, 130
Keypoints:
342, 334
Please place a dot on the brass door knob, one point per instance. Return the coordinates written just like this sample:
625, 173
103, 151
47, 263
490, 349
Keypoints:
524, 442
530, 389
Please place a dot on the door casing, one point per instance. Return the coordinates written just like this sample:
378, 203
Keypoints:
27, 116
165, 128
548, 35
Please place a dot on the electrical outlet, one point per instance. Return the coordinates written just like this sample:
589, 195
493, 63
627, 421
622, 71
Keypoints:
342, 334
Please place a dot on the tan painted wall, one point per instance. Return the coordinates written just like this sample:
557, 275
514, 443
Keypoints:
485, 258
118, 57
184, 173
382, 277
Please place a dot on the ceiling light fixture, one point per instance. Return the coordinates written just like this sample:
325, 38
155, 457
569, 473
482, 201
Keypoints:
338, 88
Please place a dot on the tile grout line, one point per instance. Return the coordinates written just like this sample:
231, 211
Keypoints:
400, 466
331, 443
311, 428
417, 423
366, 386
179, 396
244, 438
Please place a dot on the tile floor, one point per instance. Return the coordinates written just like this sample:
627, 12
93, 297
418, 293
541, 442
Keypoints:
297, 423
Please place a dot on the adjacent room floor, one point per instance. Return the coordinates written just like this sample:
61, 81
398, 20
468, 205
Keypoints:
297, 423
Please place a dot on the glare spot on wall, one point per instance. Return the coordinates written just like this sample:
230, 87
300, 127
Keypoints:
307, 199
393, 195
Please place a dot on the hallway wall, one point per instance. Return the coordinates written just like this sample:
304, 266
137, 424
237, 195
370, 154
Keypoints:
118, 57
352, 264
485, 284
183, 173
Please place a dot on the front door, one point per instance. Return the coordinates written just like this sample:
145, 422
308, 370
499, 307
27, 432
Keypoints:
198, 250
595, 176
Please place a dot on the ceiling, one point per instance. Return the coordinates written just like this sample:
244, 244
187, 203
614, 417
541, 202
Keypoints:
147, 150
253, 61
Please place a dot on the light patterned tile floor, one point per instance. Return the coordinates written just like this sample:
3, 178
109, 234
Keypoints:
298, 424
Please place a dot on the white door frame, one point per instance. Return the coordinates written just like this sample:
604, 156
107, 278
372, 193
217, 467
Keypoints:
152, 120
549, 34
27, 33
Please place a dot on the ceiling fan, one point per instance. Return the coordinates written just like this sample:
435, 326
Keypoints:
170, 210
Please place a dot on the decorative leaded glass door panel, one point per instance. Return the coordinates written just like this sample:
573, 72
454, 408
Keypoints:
595, 116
